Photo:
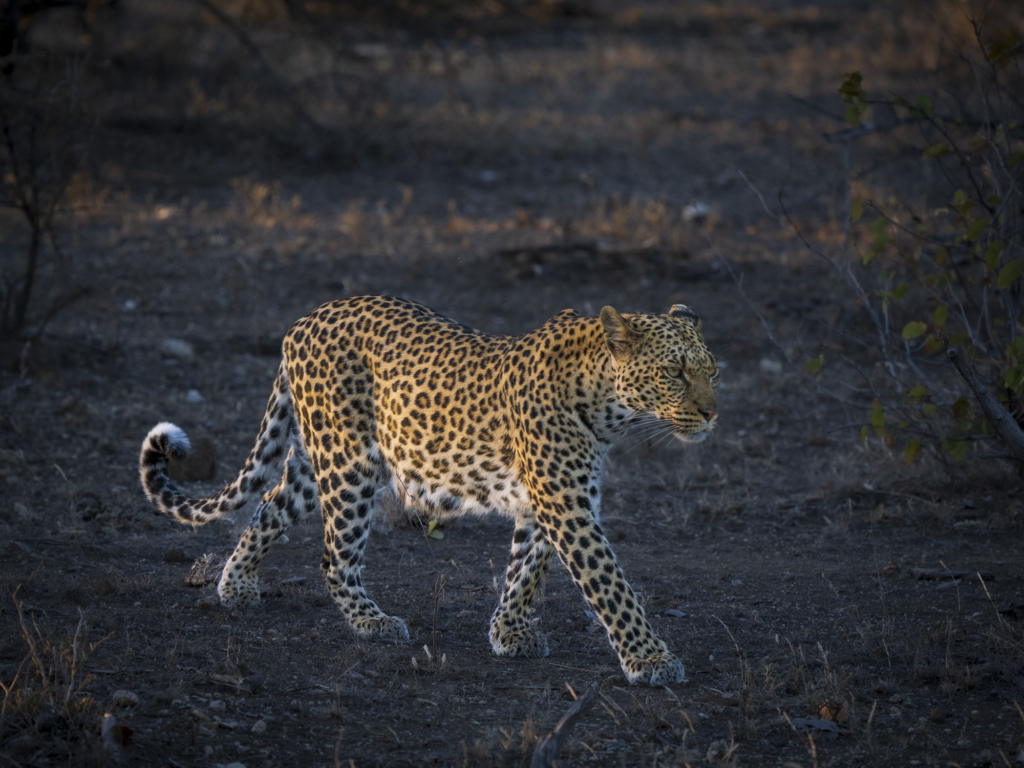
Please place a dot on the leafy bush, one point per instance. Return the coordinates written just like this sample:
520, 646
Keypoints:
939, 265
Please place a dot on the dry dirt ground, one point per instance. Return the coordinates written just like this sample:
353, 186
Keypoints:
778, 560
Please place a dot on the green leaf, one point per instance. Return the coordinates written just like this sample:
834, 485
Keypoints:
433, 531
913, 329
1015, 158
879, 227
941, 256
912, 452
814, 364
939, 316
993, 254
933, 344
864, 433
853, 116
850, 90
977, 228
878, 419
929, 409
962, 408
924, 103
918, 391
900, 290
856, 209
997, 49
959, 197
1009, 273
937, 150
958, 448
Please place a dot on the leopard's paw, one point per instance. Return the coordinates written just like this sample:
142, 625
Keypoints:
519, 642
390, 628
655, 670
237, 591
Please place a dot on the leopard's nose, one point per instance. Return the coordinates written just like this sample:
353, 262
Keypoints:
708, 414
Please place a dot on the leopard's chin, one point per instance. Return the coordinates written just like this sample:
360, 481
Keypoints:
692, 437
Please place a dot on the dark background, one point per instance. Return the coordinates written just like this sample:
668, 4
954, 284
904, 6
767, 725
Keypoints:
225, 167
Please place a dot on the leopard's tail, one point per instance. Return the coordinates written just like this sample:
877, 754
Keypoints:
166, 441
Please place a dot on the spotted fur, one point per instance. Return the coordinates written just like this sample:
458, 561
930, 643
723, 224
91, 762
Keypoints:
376, 391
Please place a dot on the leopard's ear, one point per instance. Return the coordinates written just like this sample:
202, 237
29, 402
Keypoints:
622, 337
683, 311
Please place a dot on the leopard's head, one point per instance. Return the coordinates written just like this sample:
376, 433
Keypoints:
664, 369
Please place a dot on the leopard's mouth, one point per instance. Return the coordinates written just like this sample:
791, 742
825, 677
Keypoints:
687, 434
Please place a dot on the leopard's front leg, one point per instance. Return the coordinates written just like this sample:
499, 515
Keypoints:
583, 548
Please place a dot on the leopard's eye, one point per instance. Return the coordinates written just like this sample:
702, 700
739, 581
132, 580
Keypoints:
676, 372
714, 376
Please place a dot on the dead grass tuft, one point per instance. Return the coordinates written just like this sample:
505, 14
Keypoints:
46, 709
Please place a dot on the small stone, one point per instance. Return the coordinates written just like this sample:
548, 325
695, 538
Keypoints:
176, 349
88, 506
218, 706
103, 587
193, 397
235, 765
174, 555
260, 726
24, 513
770, 365
717, 751
124, 698
696, 211
205, 570
254, 681
210, 601
938, 715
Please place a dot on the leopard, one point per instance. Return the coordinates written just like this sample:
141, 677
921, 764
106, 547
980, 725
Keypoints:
376, 393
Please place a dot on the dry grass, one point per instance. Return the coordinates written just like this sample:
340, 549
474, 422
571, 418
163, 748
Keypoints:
47, 709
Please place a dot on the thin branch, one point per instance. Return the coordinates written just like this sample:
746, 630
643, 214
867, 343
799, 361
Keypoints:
818, 108
738, 280
764, 203
247, 43
1007, 429
865, 129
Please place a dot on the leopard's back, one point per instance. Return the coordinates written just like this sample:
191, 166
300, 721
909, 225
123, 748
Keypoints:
415, 391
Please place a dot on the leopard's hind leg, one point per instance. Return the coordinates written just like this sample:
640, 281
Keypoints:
511, 631
348, 501
294, 497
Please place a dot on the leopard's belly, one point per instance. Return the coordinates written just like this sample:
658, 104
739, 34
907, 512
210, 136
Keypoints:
442, 488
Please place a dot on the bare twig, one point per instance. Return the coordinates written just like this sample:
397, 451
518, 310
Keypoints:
287, 89
938, 574
547, 751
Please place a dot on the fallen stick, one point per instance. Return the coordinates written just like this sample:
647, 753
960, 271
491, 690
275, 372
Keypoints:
546, 752
942, 573
590, 246
586, 246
